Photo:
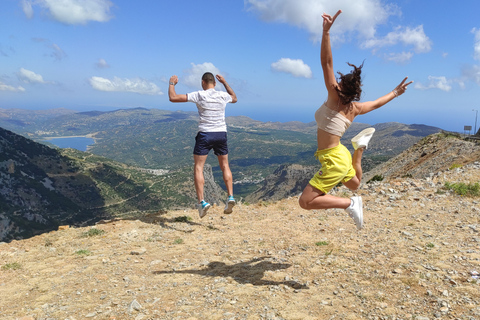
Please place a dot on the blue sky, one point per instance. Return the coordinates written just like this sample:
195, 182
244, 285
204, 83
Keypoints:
111, 54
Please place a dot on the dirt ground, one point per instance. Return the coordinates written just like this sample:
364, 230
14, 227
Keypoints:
418, 257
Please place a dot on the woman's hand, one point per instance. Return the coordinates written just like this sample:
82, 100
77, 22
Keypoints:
328, 20
401, 88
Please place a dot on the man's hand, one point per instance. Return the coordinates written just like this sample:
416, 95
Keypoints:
172, 95
220, 79
174, 80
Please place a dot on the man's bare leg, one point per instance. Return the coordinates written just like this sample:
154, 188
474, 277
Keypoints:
198, 177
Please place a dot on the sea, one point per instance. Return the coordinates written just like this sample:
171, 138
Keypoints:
79, 143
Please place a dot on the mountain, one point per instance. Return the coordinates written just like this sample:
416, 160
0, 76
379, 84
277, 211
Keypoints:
42, 188
159, 139
22, 121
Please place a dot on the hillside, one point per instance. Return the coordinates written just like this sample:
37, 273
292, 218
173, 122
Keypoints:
432, 154
418, 257
42, 188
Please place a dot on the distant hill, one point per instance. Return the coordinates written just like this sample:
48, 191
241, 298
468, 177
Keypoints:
160, 139
42, 188
23, 121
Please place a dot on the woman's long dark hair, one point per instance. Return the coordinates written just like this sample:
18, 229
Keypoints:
351, 88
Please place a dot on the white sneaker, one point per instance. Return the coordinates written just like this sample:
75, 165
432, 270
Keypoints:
203, 208
355, 211
361, 140
229, 205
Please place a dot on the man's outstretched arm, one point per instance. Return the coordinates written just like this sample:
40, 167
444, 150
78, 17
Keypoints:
172, 95
230, 91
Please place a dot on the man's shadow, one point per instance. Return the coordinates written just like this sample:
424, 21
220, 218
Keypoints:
244, 272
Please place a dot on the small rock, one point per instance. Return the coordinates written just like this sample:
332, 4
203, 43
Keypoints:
138, 251
134, 305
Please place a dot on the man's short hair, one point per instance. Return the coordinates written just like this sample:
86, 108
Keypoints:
208, 77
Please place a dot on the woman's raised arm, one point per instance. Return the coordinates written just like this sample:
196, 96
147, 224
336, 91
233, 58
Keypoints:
326, 57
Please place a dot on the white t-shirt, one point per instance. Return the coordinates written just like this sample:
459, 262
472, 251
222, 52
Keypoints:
211, 109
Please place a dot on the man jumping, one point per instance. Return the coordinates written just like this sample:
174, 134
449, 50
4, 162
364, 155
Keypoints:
212, 133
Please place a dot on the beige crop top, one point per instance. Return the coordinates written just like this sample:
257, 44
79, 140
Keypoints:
331, 121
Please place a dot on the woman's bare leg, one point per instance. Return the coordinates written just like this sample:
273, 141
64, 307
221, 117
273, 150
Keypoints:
357, 162
354, 183
312, 198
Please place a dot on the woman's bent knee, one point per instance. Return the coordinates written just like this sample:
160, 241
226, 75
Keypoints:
303, 203
352, 184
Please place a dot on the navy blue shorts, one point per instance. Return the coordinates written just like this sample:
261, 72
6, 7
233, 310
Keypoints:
206, 141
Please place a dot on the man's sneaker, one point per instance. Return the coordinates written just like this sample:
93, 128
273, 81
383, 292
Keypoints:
355, 211
361, 140
203, 208
229, 205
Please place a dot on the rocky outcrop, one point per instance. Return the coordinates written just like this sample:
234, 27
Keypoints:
437, 152
212, 191
286, 181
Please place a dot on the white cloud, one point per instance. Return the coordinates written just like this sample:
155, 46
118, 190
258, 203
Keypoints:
27, 8
135, 85
193, 76
435, 83
360, 16
102, 64
476, 45
400, 58
72, 11
407, 36
6, 87
28, 76
297, 68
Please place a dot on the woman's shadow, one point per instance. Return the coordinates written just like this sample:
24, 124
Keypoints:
244, 272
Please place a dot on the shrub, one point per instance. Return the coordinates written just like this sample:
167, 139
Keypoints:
83, 252
182, 219
454, 166
376, 177
93, 232
463, 189
12, 266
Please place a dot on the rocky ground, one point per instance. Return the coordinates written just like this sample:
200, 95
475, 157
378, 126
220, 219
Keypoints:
418, 257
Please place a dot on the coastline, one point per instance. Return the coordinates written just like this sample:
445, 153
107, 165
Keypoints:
90, 135
83, 146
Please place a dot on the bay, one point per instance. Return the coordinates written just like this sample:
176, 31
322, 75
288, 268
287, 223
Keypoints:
79, 143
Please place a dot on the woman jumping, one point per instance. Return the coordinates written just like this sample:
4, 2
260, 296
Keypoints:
333, 118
